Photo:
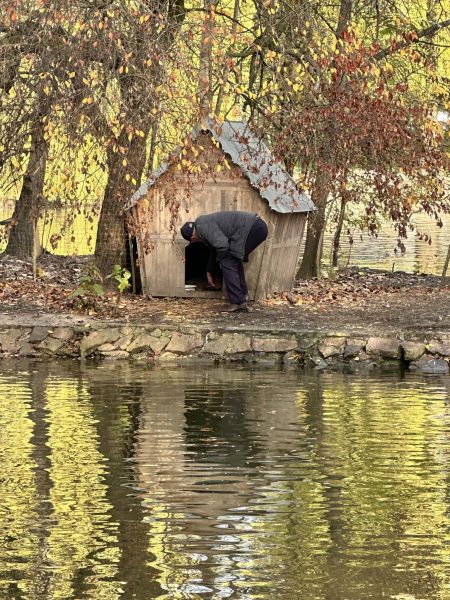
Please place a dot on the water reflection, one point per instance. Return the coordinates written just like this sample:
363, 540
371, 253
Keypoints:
222, 483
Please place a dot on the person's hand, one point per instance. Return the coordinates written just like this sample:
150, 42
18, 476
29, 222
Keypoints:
210, 279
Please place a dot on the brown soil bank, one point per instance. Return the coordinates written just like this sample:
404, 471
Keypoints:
359, 316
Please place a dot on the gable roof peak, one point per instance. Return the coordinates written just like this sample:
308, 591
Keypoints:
255, 160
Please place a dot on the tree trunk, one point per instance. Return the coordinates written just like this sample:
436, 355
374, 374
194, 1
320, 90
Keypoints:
312, 256
226, 70
316, 224
205, 59
23, 242
111, 240
338, 232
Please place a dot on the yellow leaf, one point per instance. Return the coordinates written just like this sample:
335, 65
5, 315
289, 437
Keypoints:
128, 177
72, 74
47, 90
124, 162
15, 162
219, 168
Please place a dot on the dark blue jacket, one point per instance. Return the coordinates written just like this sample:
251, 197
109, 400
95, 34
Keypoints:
226, 231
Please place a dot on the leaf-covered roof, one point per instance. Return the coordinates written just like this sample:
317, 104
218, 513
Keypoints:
252, 156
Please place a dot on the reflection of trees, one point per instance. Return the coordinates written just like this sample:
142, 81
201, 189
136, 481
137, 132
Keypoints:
66, 545
228, 481
82, 543
377, 459
19, 547
117, 397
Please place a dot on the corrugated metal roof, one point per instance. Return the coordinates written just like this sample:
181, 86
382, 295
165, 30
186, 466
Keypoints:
254, 159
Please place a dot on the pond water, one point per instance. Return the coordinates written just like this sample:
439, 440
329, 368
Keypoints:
129, 481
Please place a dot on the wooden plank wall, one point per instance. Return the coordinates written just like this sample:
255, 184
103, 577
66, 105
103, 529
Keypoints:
281, 256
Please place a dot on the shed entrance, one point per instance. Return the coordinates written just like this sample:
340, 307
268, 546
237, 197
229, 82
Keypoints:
196, 265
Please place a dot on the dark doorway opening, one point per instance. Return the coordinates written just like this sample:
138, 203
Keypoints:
132, 263
197, 257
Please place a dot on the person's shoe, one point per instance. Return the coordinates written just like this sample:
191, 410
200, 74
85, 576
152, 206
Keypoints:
229, 308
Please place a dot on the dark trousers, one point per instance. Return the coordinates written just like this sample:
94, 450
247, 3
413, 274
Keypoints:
233, 268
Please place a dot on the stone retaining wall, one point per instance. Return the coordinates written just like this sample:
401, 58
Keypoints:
159, 344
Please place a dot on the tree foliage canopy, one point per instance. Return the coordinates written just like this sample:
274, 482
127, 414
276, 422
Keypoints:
92, 94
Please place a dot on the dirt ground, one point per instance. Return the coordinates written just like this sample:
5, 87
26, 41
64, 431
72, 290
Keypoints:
354, 300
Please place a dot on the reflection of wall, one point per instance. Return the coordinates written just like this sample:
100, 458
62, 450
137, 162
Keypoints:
208, 454
196, 427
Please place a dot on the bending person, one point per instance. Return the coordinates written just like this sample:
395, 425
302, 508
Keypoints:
233, 235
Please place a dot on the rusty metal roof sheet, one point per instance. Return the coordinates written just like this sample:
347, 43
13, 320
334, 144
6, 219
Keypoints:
254, 159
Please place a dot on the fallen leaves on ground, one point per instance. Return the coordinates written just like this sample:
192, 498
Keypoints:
350, 298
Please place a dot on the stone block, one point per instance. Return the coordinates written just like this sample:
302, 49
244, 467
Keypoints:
428, 364
107, 348
274, 344
441, 346
332, 346
27, 350
228, 343
115, 355
413, 350
146, 341
91, 342
383, 347
38, 334
50, 345
127, 330
63, 333
182, 343
10, 339
158, 345
124, 341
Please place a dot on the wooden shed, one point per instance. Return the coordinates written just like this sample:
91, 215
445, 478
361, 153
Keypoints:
220, 167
